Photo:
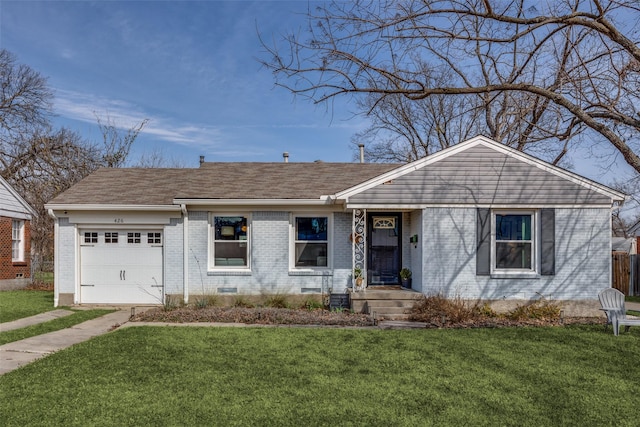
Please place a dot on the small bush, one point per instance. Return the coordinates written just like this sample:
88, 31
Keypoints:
170, 303
486, 311
539, 309
204, 301
242, 301
312, 304
438, 309
276, 301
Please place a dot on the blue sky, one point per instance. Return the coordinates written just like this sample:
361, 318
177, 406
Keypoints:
192, 69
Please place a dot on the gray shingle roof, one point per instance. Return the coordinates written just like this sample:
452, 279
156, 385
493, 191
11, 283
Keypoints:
146, 186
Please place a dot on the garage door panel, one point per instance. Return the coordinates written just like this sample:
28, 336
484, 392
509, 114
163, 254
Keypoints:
119, 270
121, 294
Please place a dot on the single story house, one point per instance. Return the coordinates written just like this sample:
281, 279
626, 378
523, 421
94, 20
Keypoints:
15, 238
478, 220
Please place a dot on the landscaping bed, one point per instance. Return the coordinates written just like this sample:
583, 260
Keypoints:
322, 317
258, 315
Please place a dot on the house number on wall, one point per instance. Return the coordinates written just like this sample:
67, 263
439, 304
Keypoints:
119, 220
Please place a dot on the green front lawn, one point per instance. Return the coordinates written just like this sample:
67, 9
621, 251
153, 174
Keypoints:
19, 304
574, 375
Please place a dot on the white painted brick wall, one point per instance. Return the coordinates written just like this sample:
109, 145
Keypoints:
65, 256
173, 259
582, 258
270, 247
342, 251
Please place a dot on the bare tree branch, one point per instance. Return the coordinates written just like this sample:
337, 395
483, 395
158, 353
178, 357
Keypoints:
547, 76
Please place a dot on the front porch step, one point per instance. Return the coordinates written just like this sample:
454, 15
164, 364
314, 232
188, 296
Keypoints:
384, 304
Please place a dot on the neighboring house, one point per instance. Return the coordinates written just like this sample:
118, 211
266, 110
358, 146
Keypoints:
15, 238
477, 220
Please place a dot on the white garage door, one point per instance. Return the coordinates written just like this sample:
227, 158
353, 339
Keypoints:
121, 267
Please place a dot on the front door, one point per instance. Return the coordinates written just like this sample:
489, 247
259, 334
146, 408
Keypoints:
384, 254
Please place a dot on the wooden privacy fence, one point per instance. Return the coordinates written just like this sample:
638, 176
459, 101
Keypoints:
621, 271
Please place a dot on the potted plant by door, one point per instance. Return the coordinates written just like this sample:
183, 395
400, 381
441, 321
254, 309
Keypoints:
405, 278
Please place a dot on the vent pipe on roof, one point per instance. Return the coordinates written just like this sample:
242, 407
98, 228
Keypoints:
201, 159
361, 146
285, 156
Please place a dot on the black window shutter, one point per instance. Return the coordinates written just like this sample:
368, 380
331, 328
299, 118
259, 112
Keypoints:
548, 249
483, 248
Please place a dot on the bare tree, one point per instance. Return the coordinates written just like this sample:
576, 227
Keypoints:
116, 142
542, 72
50, 163
156, 158
25, 106
40, 162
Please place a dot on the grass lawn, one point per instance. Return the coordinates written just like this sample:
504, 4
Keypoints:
575, 375
18, 304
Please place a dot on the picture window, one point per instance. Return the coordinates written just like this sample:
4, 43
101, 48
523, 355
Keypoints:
230, 241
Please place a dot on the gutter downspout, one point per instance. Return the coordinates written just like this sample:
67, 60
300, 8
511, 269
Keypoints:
185, 253
56, 275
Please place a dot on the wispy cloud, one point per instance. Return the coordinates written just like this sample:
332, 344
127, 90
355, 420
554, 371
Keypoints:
88, 108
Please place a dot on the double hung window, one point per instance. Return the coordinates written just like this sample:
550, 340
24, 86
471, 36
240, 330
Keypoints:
311, 241
514, 241
17, 240
230, 241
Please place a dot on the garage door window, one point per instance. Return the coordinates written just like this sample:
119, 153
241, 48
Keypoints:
111, 237
230, 241
133, 238
154, 238
91, 237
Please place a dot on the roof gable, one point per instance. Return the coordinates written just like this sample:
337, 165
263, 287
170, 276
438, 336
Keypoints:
12, 204
481, 171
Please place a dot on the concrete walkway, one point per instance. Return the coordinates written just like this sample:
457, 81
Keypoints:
34, 320
16, 354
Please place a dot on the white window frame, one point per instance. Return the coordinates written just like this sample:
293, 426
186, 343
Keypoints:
293, 241
17, 240
534, 271
212, 242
